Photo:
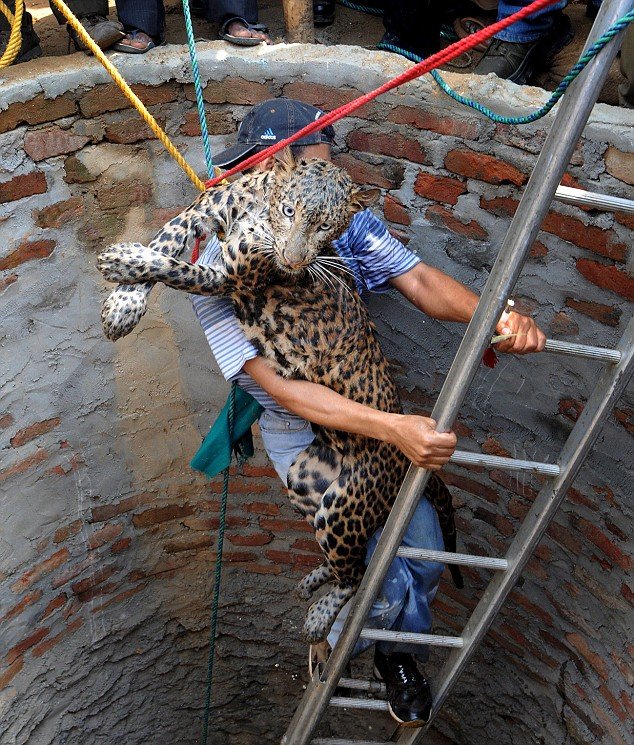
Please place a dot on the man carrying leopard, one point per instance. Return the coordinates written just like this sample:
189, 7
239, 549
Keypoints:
378, 262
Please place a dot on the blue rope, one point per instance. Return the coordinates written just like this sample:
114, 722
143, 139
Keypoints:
200, 103
218, 572
557, 93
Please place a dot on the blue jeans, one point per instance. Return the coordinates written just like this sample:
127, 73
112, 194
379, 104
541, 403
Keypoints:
531, 28
409, 586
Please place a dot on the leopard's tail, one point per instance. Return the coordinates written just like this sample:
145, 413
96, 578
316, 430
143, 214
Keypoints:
438, 494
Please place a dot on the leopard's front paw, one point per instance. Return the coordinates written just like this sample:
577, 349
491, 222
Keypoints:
323, 612
128, 263
123, 309
312, 581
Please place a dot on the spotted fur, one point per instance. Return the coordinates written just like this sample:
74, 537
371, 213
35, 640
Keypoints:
296, 301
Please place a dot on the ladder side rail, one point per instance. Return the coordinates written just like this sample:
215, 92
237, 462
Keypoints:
583, 436
555, 155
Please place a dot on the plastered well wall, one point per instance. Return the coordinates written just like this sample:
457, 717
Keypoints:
106, 547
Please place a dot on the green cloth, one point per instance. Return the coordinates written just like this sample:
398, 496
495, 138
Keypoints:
214, 455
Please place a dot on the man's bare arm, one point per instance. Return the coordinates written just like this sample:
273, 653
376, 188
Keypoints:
415, 436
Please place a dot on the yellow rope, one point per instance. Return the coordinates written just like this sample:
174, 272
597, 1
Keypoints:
127, 92
15, 39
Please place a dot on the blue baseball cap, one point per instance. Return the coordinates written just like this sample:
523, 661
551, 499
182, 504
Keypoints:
270, 122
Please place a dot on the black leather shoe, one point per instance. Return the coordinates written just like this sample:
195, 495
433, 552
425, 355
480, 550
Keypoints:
408, 692
323, 13
519, 61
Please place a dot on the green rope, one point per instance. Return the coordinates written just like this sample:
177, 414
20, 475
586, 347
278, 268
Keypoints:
557, 93
218, 573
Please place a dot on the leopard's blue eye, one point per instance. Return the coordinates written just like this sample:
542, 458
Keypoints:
325, 226
287, 210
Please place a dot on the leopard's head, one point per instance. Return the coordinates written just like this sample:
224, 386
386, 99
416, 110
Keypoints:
312, 202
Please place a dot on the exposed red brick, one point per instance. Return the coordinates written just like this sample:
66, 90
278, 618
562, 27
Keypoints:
534, 609
517, 508
29, 433
263, 508
162, 514
49, 142
105, 535
108, 511
125, 193
307, 544
592, 658
603, 542
280, 526
439, 188
27, 251
240, 486
471, 486
253, 539
610, 315
97, 592
511, 482
500, 206
365, 173
26, 644
60, 214
96, 578
570, 408
232, 90
625, 219
502, 524
236, 557
74, 570
444, 125
625, 417
61, 534
36, 111
7, 676
538, 250
514, 633
400, 236
563, 325
7, 281
327, 98
50, 643
280, 557
120, 597
6, 420
120, 545
28, 599
55, 603
212, 523
613, 735
259, 471
483, 167
24, 465
607, 277
395, 211
599, 241
492, 447
128, 131
102, 98
25, 185
441, 216
187, 543
218, 123
392, 144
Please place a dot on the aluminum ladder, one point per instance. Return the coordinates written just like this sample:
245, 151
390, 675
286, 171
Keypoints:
542, 187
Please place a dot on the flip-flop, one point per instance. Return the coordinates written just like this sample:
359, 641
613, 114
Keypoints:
121, 46
242, 41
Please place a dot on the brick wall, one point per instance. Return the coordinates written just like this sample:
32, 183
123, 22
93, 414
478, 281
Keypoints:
106, 548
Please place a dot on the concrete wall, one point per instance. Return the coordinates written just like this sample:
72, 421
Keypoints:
106, 539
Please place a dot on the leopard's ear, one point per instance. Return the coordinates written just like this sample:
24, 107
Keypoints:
361, 199
285, 160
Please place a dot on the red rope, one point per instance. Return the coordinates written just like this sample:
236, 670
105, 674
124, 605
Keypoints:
449, 53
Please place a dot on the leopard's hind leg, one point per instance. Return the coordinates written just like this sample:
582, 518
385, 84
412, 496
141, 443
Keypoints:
308, 479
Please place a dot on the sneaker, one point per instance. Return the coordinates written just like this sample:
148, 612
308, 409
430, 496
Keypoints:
104, 32
408, 692
519, 61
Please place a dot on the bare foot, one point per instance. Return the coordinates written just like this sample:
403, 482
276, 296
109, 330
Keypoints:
237, 28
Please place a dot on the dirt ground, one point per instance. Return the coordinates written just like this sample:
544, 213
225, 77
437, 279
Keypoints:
350, 27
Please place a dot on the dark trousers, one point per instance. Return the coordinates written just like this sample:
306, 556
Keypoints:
416, 23
142, 15
83, 8
222, 10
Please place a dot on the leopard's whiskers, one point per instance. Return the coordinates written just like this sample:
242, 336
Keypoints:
337, 279
335, 265
322, 276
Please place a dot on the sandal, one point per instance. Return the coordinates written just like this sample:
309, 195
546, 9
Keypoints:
125, 46
242, 41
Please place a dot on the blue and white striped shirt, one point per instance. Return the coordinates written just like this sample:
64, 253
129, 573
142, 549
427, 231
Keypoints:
371, 253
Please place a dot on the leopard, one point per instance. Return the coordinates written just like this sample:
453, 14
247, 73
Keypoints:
297, 302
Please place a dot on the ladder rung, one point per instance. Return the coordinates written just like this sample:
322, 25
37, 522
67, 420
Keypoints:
464, 458
373, 686
583, 198
448, 557
582, 350
433, 640
339, 741
358, 703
